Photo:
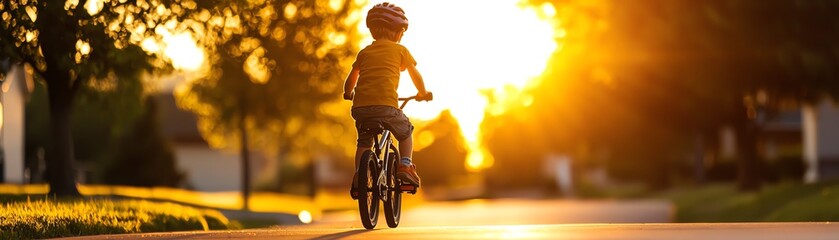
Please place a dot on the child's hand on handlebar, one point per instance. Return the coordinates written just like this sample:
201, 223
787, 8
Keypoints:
349, 95
426, 96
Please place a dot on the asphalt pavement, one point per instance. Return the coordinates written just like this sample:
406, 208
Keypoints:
521, 219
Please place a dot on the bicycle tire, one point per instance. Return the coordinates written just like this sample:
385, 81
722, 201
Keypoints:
393, 204
368, 199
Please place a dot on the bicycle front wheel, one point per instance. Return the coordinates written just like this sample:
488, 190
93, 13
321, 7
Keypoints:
368, 199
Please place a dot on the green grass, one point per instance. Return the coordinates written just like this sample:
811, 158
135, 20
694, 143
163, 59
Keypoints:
259, 201
31, 219
779, 202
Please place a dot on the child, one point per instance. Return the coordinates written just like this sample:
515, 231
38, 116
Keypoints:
376, 72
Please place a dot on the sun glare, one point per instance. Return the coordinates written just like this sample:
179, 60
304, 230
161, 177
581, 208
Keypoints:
468, 49
183, 51
180, 48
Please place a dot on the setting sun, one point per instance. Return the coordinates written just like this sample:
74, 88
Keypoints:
179, 48
467, 50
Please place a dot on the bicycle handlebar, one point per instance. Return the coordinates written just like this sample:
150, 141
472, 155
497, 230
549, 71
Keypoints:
428, 97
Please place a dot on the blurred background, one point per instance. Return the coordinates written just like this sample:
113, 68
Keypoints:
534, 98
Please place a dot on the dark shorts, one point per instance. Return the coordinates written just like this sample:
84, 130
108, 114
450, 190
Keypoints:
391, 118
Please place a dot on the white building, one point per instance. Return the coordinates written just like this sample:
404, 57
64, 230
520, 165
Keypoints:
821, 140
14, 92
206, 169
813, 127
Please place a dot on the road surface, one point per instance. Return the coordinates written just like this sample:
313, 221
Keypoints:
522, 219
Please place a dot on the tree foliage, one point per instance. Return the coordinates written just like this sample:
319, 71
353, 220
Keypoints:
274, 62
143, 156
276, 68
74, 44
638, 81
440, 151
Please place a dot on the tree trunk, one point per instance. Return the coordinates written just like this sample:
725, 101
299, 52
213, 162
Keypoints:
246, 165
748, 172
313, 181
699, 158
61, 167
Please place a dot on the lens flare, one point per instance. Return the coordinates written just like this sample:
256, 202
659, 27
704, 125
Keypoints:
468, 49
305, 217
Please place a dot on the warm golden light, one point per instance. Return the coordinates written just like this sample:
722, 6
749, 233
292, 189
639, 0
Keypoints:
83, 47
468, 49
180, 48
305, 217
92, 6
1, 115
183, 51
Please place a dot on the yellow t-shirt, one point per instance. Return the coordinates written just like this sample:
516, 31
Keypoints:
379, 65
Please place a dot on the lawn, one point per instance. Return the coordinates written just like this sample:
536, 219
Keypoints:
266, 202
259, 201
45, 218
28, 213
149, 209
787, 201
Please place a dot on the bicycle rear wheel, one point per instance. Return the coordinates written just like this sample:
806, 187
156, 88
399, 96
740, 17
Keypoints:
393, 204
368, 199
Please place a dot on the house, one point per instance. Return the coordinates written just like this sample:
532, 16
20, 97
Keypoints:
814, 129
207, 169
14, 92
820, 133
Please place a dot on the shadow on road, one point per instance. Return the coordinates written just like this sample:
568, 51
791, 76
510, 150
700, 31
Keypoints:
342, 234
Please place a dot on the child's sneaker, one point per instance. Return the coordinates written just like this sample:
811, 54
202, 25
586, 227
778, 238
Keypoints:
408, 174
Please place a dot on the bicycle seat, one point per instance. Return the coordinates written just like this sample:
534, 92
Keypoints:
370, 127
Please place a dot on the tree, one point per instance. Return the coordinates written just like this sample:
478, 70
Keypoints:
144, 157
275, 77
441, 147
690, 67
730, 53
76, 43
101, 115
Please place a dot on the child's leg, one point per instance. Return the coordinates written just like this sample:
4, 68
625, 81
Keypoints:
358, 152
406, 147
407, 170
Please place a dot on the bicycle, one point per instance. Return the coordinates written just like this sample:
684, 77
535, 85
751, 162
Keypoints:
377, 175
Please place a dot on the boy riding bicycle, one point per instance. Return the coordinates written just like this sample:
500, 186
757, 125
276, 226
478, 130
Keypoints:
373, 81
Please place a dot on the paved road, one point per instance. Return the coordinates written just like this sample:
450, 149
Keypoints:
517, 212
658, 231
523, 219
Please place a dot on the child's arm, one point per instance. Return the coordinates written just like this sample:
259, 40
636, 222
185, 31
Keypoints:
349, 84
418, 82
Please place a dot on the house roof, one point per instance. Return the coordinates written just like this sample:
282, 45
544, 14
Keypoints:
785, 121
178, 125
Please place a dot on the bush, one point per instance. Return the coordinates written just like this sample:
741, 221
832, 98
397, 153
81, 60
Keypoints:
49, 219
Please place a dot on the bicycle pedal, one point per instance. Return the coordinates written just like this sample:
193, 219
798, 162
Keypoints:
354, 194
408, 188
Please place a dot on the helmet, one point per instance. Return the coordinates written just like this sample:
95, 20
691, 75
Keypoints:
387, 15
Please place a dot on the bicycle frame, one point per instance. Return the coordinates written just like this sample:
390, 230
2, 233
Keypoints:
386, 187
381, 144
